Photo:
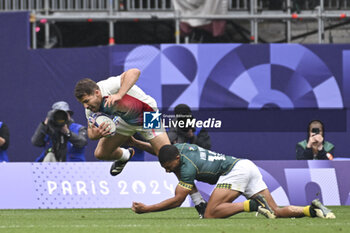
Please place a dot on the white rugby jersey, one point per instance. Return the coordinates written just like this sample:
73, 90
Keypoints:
131, 107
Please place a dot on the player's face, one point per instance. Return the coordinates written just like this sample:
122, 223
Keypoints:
92, 102
172, 166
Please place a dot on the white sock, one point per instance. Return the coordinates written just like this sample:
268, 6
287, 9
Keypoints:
125, 155
197, 198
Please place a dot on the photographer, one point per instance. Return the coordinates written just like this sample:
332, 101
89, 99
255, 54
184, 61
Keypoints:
199, 137
4, 142
315, 147
62, 139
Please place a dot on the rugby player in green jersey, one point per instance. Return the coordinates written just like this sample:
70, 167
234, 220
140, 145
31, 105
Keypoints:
233, 177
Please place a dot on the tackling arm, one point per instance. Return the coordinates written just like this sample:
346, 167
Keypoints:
176, 201
141, 145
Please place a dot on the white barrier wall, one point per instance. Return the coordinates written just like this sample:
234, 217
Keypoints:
89, 184
82, 185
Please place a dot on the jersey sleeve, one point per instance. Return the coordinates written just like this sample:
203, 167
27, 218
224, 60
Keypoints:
188, 175
110, 86
87, 113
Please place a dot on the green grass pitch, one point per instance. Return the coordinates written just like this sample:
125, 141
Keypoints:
178, 220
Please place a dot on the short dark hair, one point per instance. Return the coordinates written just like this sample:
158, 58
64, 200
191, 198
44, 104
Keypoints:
182, 109
183, 113
84, 87
167, 153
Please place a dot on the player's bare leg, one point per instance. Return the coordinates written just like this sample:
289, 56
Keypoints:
316, 209
108, 148
159, 141
220, 204
118, 165
284, 212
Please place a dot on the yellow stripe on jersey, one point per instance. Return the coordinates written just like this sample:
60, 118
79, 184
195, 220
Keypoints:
186, 185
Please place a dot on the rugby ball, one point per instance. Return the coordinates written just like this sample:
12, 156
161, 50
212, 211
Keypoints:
98, 118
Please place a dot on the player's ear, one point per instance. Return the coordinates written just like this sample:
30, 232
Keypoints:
97, 92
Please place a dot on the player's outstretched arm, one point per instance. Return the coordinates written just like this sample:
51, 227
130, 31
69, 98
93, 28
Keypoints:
141, 145
176, 201
127, 80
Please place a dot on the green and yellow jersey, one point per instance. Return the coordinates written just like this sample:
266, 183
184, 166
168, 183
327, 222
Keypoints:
202, 165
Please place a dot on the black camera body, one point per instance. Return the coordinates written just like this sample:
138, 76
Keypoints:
57, 119
315, 130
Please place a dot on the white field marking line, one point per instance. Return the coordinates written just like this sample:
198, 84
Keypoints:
199, 224
76, 226
95, 225
103, 226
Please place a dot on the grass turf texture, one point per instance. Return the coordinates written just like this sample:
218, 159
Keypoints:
177, 220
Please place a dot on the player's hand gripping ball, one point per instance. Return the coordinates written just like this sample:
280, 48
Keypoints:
98, 118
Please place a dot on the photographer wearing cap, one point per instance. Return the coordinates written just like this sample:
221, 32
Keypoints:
315, 147
62, 139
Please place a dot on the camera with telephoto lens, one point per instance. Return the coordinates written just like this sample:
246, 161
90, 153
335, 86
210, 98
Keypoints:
57, 119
